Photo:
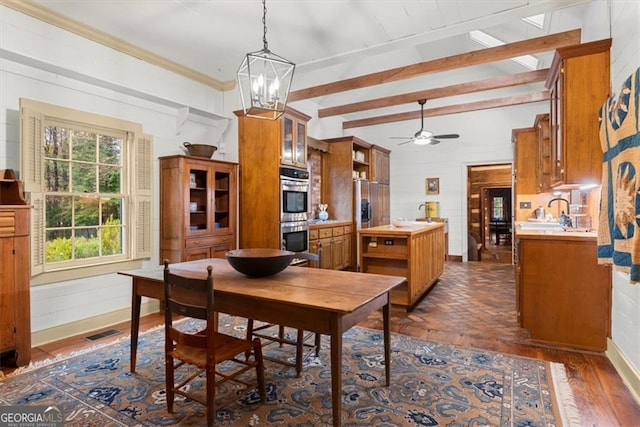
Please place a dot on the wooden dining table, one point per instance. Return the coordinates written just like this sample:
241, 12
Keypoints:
317, 300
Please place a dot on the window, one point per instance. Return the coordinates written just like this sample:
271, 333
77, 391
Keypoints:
88, 178
498, 208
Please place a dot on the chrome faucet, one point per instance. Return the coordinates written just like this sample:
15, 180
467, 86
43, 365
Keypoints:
564, 217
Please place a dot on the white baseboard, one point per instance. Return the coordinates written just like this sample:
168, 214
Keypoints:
625, 369
90, 324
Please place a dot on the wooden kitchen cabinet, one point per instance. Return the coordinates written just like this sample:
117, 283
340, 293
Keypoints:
579, 83
563, 295
262, 149
15, 311
334, 238
543, 155
198, 208
294, 139
525, 147
380, 170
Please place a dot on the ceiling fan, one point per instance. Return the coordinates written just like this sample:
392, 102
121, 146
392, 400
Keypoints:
424, 137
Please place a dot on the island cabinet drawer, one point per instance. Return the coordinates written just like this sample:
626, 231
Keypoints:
337, 231
347, 229
206, 242
325, 233
313, 234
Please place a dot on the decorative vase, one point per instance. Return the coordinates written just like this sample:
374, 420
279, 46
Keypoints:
323, 215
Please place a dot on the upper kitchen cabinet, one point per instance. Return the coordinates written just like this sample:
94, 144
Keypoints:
579, 83
294, 138
348, 158
544, 153
285, 137
197, 208
380, 164
525, 145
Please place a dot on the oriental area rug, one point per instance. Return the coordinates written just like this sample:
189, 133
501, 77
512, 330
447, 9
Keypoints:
431, 385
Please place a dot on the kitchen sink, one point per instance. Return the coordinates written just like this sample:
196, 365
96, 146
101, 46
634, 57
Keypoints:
540, 226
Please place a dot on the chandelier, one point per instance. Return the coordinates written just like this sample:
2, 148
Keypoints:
264, 80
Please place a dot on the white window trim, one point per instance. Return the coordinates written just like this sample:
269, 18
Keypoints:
139, 169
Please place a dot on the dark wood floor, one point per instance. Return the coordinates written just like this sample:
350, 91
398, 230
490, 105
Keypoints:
473, 305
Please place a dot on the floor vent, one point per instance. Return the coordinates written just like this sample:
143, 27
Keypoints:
99, 336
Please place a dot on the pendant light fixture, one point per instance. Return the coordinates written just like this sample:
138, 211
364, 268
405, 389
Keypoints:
264, 80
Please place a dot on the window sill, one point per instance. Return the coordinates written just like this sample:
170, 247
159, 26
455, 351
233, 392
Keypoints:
82, 272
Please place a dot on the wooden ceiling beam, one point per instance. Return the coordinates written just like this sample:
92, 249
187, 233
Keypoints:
482, 56
450, 109
440, 92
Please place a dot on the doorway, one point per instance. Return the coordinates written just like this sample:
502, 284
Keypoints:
490, 212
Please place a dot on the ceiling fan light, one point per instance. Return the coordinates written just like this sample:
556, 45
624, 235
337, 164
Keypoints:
422, 141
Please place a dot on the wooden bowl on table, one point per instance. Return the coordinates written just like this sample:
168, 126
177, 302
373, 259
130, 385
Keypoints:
259, 262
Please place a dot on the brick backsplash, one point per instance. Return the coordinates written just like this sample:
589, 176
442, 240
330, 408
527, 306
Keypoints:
314, 163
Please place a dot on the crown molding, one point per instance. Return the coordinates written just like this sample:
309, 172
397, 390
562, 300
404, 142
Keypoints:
53, 18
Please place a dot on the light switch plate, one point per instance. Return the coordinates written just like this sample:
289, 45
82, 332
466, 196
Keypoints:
525, 205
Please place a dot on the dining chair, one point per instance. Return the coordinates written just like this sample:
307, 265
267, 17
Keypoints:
193, 298
275, 334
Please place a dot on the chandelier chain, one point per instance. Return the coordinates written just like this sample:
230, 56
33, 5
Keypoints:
264, 25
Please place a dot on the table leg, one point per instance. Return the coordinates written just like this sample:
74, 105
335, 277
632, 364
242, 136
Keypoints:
387, 340
336, 371
135, 324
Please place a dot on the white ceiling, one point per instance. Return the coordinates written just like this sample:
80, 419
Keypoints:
327, 39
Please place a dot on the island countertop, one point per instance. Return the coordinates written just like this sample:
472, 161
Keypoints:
392, 230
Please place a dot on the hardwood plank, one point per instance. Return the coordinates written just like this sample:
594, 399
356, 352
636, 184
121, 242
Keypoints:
482, 56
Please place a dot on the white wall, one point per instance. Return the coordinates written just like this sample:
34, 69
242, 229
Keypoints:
625, 59
47, 64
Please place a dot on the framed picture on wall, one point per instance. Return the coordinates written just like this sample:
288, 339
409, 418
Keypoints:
432, 185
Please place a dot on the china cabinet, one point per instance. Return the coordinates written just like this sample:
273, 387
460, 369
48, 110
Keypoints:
15, 312
579, 83
197, 208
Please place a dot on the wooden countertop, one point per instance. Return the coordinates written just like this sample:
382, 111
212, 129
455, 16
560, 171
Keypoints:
328, 223
391, 230
556, 235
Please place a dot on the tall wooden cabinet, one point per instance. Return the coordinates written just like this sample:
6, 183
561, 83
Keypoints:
15, 311
525, 147
543, 169
264, 146
579, 83
198, 208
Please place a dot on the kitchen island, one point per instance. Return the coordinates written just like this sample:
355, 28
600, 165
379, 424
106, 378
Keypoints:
415, 252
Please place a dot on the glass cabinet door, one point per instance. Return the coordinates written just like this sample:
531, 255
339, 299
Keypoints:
301, 146
222, 200
287, 142
198, 205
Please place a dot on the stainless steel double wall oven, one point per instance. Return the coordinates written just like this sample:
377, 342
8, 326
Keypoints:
294, 207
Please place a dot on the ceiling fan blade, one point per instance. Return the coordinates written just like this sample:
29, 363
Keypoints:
447, 136
405, 142
400, 137
434, 141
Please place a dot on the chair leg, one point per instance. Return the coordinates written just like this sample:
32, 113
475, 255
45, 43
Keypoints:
211, 395
169, 381
281, 334
257, 354
249, 337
